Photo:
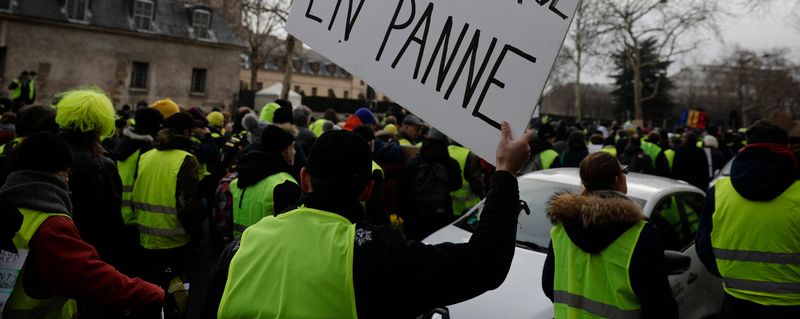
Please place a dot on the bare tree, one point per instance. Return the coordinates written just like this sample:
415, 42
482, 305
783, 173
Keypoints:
261, 21
586, 32
671, 24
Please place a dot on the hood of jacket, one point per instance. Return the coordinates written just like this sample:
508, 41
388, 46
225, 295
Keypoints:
130, 143
763, 173
168, 139
255, 166
595, 220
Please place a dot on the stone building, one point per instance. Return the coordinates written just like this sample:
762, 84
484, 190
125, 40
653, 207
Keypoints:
136, 50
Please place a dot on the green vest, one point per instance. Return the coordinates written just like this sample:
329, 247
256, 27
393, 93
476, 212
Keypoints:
154, 201
463, 198
757, 245
296, 265
253, 203
127, 172
377, 169
670, 155
672, 215
20, 305
404, 142
610, 150
594, 285
318, 127
10, 145
17, 92
268, 112
547, 158
652, 150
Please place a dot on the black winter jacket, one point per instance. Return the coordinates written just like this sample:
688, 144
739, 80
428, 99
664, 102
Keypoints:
593, 223
399, 278
758, 175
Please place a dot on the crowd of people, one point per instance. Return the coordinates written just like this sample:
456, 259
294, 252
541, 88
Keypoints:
317, 213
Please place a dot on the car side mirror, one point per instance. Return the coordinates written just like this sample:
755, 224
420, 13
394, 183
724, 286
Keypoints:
677, 262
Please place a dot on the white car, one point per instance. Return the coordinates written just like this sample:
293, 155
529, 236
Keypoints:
699, 294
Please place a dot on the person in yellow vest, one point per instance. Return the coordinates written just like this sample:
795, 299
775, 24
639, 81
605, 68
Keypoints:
166, 202
167, 107
748, 233
472, 178
654, 149
330, 264
411, 132
265, 186
23, 89
543, 155
604, 259
56, 266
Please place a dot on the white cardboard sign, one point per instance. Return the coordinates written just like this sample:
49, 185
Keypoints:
463, 66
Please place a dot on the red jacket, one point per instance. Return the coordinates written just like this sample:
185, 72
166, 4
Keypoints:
61, 263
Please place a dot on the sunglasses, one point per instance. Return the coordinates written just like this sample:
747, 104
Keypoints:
625, 170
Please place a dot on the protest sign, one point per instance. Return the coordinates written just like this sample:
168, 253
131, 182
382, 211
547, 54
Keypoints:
463, 66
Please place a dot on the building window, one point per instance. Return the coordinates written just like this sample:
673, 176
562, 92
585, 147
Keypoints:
331, 68
259, 86
139, 75
313, 91
198, 80
346, 94
331, 94
5, 5
362, 82
201, 20
143, 14
76, 9
314, 67
298, 65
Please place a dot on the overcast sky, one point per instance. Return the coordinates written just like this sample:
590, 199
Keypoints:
751, 31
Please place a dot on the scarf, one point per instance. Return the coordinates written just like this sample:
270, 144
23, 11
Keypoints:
37, 191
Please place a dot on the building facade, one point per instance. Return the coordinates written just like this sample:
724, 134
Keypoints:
136, 50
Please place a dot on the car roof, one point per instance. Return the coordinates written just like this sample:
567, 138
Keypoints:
642, 186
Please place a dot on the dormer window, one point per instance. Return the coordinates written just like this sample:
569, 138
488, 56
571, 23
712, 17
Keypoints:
143, 14
201, 21
76, 9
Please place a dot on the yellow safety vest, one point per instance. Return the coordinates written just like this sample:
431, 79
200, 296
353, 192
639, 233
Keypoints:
547, 158
463, 198
594, 285
17, 92
253, 203
610, 150
20, 304
127, 172
295, 265
757, 245
154, 201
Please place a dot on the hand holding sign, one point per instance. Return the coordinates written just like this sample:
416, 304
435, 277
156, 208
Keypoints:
512, 154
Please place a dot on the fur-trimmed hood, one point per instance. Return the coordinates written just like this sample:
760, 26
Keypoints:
594, 220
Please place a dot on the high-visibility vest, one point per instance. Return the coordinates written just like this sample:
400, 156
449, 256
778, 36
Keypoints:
610, 150
10, 145
670, 155
318, 127
404, 142
547, 158
154, 203
127, 172
652, 150
17, 92
297, 265
255, 202
463, 198
20, 305
757, 245
377, 169
672, 215
594, 285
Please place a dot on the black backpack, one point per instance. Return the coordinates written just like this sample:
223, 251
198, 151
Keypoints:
431, 189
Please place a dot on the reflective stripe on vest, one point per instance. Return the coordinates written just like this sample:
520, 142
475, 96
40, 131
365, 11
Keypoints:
127, 173
309, 253
583, 280
463, 198
547, 158
757, 245
255, 202
20, 305
153, 199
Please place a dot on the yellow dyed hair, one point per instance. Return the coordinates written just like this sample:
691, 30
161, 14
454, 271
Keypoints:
85, 110
215, 119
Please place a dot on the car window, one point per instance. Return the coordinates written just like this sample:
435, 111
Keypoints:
533, 231
676, 217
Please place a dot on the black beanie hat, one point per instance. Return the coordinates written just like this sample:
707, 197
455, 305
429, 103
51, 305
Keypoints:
283, 115
43, 152
284, 104
35, 118
148, 120
340, 156
180, 122
365, 132
275, 140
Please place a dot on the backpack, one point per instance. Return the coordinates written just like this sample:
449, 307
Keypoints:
431, 189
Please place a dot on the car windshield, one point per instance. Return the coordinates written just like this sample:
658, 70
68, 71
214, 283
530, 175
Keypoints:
533, 231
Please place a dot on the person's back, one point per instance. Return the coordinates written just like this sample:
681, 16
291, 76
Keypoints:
603, 250
576, 150
690, 163
748, 229
365, 271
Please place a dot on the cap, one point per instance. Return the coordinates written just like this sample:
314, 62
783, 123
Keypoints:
215, 119
366, 116
167, 107
148, 120
391, 129
179, 122
86, 110
340, 156
282, 115
412, 120
275, 140
43, 152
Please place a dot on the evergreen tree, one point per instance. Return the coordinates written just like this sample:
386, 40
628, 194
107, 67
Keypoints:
654, 79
